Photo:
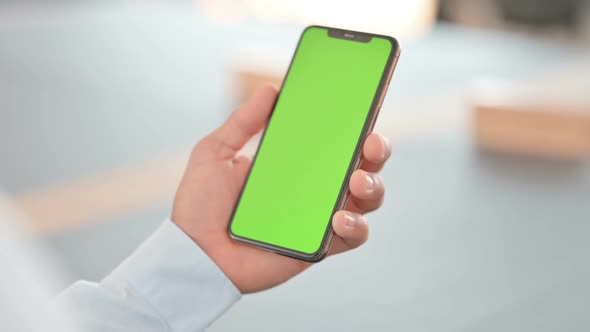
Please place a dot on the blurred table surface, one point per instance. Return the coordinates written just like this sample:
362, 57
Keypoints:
464, 242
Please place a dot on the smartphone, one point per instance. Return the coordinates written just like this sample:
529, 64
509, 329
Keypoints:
327, 105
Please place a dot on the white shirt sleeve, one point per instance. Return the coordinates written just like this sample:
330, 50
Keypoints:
167, 284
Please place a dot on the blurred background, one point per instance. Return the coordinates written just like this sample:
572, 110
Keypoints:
486, 221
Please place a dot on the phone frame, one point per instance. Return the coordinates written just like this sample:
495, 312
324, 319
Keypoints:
355, 162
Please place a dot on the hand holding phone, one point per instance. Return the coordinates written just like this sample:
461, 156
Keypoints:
212, 182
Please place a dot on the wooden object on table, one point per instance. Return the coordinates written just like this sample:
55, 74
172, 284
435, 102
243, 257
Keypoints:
554, 134
547, 117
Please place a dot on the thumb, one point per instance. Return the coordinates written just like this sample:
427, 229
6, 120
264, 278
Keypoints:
243, 123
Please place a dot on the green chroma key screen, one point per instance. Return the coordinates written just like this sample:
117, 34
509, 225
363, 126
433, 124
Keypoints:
302, 162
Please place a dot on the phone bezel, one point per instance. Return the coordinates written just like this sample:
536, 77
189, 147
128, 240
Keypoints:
355, 162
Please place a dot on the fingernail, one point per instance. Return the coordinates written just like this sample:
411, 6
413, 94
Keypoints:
349, 220
370, 183
386, 147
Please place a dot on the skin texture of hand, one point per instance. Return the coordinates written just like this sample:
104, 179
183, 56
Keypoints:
214, 177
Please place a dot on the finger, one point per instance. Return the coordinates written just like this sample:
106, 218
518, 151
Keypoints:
366, 186
351, 230
242, 124
366, 191
376, 151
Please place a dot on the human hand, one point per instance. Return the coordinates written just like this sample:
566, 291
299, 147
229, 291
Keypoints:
214, 178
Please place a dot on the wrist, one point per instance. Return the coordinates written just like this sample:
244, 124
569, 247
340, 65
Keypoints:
215, 249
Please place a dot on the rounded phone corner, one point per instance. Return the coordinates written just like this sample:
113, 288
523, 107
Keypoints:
321, 253
231, 233
312, 27
317, 257
394, 43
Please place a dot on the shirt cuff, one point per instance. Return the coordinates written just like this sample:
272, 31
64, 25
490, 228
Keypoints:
173, 275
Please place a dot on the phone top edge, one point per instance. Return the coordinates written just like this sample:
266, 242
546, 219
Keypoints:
394, 42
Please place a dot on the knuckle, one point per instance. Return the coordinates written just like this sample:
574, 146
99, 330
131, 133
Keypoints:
199, 147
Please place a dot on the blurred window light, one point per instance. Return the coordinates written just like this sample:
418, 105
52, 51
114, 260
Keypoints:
394, 17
